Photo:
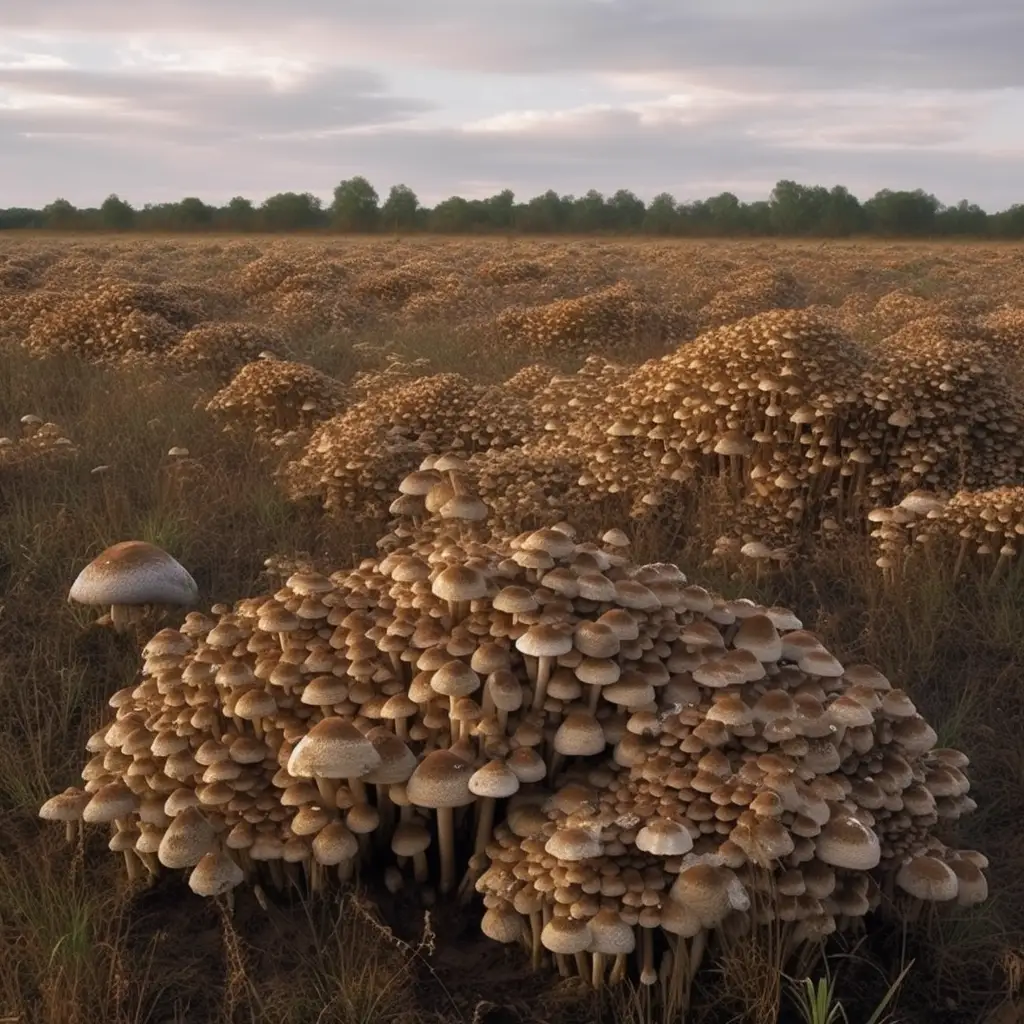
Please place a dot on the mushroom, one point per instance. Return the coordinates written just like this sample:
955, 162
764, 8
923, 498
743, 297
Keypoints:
130, 575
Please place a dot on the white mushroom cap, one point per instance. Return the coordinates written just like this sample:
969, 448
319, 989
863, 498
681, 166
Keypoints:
134, 573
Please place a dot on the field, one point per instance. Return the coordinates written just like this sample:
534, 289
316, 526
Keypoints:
251, 406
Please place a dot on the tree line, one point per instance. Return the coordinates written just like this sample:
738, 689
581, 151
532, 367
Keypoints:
792, 210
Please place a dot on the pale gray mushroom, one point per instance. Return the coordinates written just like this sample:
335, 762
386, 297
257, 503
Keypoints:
130, 575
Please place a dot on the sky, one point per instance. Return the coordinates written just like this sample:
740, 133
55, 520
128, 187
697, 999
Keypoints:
159, 99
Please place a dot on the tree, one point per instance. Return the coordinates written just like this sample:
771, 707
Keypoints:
902, 213
662, 216
626, 211
292, 211
116, 214
60, 215
239, 214
194, 213
454, 215
545, 213
356, 206
590, 212
400, 210
500, 210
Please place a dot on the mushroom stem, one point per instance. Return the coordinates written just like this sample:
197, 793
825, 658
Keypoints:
119, 617
536, 947
131, 864
328, 789
618, 973
386, 810
597, 967
69, 831
484, 824
544, 666
582, 965
420, 868
446, 846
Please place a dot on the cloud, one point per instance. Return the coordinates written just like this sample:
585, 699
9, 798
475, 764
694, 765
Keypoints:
197, 105
916, 43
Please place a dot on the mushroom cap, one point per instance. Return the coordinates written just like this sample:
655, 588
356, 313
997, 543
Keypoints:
572, 844
566, 935
186, 840
495, 780
664, 838
757, 634
928, 878
333, 749
596, 639
544, 641
215, 874
455, 679
114, 800
334, 844
134, 573
610, 935
502, 924
441, 779
459, 583
66, 806
580, 735
397, 761
845, 842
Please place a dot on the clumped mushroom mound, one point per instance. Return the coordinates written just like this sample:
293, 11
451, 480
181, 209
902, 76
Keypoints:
613, 756
750, 293
606, 319
276, 396
222, 348
111, 320
354, 461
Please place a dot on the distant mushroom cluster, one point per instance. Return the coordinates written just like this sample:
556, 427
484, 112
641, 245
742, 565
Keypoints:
271, 396
615, 758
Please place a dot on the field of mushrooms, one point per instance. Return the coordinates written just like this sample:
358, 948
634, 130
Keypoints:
509, 630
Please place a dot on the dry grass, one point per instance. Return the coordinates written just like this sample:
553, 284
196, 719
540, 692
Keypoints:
76, 946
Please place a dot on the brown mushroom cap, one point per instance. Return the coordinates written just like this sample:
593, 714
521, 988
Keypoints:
134, 573
928, 878
215, 874
333, 749
845, 842
441, 780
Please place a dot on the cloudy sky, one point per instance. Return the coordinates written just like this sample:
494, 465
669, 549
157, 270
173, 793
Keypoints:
157, 99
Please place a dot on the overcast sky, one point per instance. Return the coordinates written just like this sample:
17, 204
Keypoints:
158, 99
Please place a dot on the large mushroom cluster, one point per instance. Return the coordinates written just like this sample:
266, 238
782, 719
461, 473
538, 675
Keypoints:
222, 348
273, 396
354, 461
110, 320
606, 319
614, 757
750, 293
806, 427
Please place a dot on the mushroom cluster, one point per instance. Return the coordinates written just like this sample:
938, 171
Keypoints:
355, 460
37, 439
607, 319
271, 396
110, 320
982, 529
749, 293
613, 756
804, 427
222, 348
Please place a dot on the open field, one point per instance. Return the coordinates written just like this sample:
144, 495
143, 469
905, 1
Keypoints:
753, 412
